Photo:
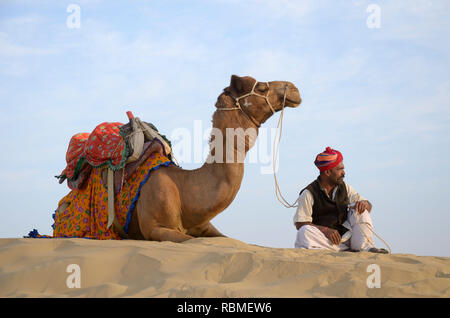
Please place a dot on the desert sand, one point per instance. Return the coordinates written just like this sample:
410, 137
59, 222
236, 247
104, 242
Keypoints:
209, 267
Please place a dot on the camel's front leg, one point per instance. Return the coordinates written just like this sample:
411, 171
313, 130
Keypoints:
207, 230
166, 234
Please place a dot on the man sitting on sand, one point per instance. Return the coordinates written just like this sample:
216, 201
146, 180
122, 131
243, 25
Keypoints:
331, 214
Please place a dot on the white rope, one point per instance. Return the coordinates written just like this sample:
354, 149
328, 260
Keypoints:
252, 92
276, 147
371, 229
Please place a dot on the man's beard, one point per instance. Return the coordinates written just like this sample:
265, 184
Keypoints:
340, 180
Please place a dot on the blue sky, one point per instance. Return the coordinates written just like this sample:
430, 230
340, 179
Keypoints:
379, 95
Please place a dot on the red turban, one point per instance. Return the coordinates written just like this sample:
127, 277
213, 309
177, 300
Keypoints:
328, 159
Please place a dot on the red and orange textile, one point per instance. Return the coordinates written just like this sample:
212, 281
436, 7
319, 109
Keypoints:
86, 210
104, 146
328, 159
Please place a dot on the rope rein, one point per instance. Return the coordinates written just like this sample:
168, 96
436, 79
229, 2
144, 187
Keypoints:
357, 216
276, 147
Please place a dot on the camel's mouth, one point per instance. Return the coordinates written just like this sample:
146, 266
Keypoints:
293, 102
293, 98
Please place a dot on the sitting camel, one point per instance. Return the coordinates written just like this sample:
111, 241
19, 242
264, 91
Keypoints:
176, 204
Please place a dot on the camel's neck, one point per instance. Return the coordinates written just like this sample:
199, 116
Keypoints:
222, 181
218, 181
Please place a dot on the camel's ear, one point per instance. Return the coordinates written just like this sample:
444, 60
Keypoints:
237, 83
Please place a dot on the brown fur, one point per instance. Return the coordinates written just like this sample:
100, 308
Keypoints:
176, 204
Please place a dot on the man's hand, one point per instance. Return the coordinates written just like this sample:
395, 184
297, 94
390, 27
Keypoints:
361, 206
331, 234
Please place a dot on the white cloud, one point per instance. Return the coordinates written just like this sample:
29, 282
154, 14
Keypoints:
9, 49
116, 50
19, 21
437, 103
292, 8
277, 9
271, 64
422, 22
343, 67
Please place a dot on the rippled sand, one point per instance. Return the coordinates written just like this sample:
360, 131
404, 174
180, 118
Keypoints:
210, 267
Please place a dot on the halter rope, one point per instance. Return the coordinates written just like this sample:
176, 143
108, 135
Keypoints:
252, 92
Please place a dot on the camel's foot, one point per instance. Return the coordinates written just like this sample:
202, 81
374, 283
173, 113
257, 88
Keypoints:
166, 234
207, 230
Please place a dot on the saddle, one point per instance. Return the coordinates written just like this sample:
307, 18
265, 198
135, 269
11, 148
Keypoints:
113, 145
118, 150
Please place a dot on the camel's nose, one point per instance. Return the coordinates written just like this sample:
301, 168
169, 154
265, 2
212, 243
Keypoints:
293, 98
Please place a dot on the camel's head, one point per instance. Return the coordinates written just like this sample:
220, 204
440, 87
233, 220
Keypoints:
260, 100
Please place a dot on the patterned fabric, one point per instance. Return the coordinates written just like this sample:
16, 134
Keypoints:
86, 214
74, 153
328, 159
104, 145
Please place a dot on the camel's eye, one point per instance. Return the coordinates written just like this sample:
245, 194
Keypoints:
262, 87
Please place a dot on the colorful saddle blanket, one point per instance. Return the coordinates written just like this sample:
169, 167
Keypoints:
104, 146
83, 213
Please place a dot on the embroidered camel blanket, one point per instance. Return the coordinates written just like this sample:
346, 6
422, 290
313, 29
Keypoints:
83, 213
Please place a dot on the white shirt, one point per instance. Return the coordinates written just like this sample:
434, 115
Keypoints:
306, 201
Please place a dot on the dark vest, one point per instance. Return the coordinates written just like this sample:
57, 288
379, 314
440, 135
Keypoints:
325, 211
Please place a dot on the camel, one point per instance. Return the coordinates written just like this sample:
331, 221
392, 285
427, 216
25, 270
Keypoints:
176, 204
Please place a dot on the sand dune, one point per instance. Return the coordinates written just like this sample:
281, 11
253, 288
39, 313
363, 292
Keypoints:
209, 267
